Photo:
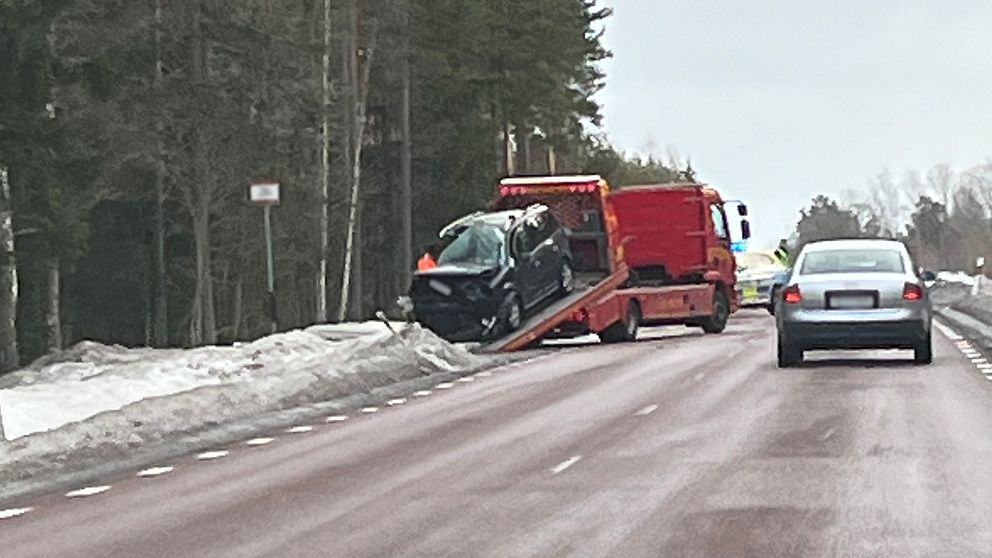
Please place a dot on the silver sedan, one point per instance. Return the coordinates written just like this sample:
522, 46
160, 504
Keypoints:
854, 294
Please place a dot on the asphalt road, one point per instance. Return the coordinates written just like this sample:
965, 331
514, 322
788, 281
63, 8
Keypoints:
686, 446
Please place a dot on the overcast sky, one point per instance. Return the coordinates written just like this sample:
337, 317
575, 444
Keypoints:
778, 101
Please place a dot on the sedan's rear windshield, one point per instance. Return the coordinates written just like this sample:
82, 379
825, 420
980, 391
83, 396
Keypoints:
853, 261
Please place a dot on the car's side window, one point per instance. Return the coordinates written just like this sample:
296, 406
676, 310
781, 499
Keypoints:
525, 239
540, 229
719, 222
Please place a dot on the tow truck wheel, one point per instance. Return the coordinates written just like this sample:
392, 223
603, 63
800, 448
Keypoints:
717, 322
624, 331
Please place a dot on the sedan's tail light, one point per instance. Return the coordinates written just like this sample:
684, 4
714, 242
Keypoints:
792, 295
912, 292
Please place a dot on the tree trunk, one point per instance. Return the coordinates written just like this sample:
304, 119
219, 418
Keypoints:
238, 310
522, 138
53, 316
160, 326
9, 358
361, 98
406, 163
508, 149
203, 329
325, 169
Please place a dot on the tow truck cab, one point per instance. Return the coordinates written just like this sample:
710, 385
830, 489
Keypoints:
677, 234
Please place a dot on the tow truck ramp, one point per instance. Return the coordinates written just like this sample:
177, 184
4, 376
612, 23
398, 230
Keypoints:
538, 325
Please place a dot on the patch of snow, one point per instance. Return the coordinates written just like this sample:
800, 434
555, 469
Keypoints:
958, 277
93, 398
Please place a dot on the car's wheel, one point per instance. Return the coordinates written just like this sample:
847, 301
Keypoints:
923, 351
788, 355
510, 316
566, 278
624, 331
717, 322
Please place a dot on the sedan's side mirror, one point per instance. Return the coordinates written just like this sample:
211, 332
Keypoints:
742, 210
928, 276
745, 229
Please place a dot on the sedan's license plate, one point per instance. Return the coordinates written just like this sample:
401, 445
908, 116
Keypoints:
851, 302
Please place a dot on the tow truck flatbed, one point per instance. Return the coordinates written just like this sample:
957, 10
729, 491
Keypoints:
537, 326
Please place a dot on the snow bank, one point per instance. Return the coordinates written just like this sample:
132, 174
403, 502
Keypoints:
958, 277
93, 393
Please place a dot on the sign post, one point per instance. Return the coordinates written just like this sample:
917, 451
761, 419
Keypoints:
266, 194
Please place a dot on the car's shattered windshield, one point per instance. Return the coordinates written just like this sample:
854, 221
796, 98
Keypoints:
480, 244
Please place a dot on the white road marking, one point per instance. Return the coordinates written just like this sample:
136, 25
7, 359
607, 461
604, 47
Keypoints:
422, 393
948, 332
445, 385
699, 376
211, 455
971, 353
397, 401
13, 512
370, 410
827, 435
566, 464
254, 442
88, 491
155, 472
484, 374
302, 429
336, 418
466, 379
985, 366
646, 411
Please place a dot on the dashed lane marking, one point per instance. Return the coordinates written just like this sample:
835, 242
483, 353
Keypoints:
255, 442
646, 411
397, 401
484, 374
466, 379
14, 512
211, 455
336, 418
370, 410
422, 393
302, 429
445, 385
154, 472
88, 491
565, 464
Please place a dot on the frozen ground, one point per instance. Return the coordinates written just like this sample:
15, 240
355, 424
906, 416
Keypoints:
95, 399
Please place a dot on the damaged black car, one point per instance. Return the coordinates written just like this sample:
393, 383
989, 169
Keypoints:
497, 269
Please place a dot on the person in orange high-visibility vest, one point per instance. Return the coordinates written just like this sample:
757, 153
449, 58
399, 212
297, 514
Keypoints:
428, 260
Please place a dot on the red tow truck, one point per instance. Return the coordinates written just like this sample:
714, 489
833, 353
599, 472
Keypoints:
643, 255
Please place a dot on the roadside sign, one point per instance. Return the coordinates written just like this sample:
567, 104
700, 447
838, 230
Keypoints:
265, 193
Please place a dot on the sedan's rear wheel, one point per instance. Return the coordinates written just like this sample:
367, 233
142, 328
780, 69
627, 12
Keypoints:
788, 354
923, 352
